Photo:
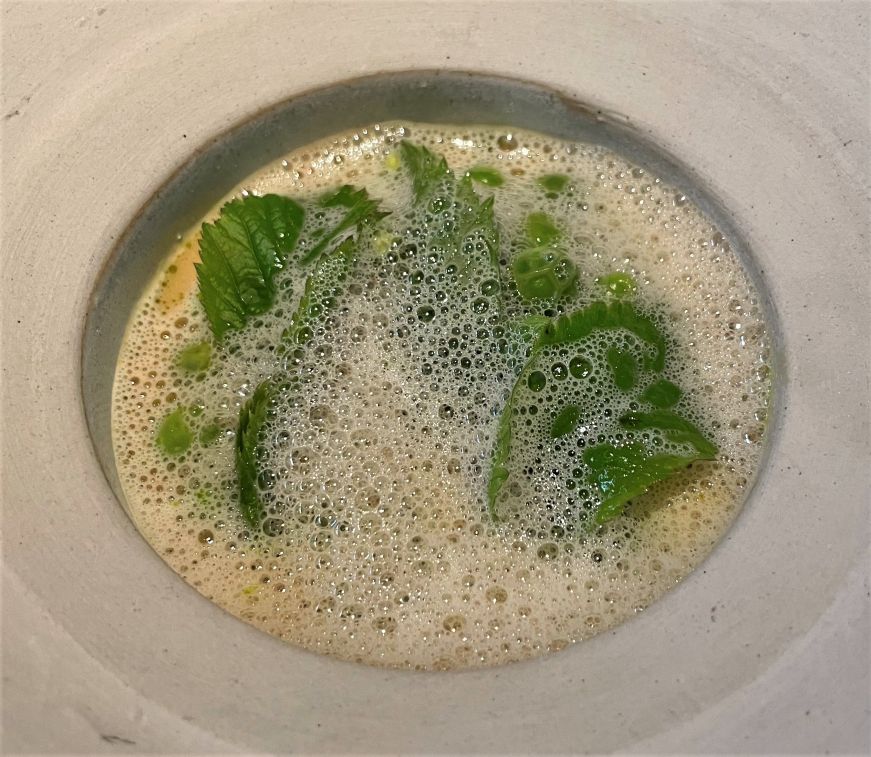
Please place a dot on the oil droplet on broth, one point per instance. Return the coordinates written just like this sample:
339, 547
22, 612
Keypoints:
387, 555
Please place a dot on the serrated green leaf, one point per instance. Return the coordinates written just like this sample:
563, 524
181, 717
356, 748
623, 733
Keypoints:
622, 473
253, 417
240, 254
673, 427
359, 209
608, 316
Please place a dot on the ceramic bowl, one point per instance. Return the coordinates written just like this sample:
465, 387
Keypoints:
114, 115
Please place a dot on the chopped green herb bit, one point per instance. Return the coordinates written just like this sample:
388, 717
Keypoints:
566, 421
618, 284
540, 229
662, 394
553, 182
195, 358
624, 367
174, 436
621, 473
484, 175
209, 434
240, 254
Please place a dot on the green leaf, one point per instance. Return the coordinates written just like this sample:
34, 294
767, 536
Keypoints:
174, 436
621, 473
321, 289
618, 284
359, 209
553, 183
662, 394
566, 421
484, 175
195, 358
427, 169
240, 254
608, 316
673, 427
253, 417
624, 368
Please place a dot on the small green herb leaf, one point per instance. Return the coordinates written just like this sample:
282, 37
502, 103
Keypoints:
566, 421
195, 358
484, 175
618, 284
240, 255
252, 420
174, 436
662, 394
427, 169
621, 473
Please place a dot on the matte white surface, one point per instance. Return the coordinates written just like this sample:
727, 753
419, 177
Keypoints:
104, 645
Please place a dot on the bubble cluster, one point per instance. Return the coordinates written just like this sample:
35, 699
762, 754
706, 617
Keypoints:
377, 546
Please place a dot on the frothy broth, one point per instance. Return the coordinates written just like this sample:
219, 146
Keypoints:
385, 553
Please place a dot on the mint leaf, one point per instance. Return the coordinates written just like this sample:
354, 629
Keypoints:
174, 436
253, 417
240, 254
662, 394
621, 473
569, 351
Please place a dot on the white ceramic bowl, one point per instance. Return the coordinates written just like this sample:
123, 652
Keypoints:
764, 648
